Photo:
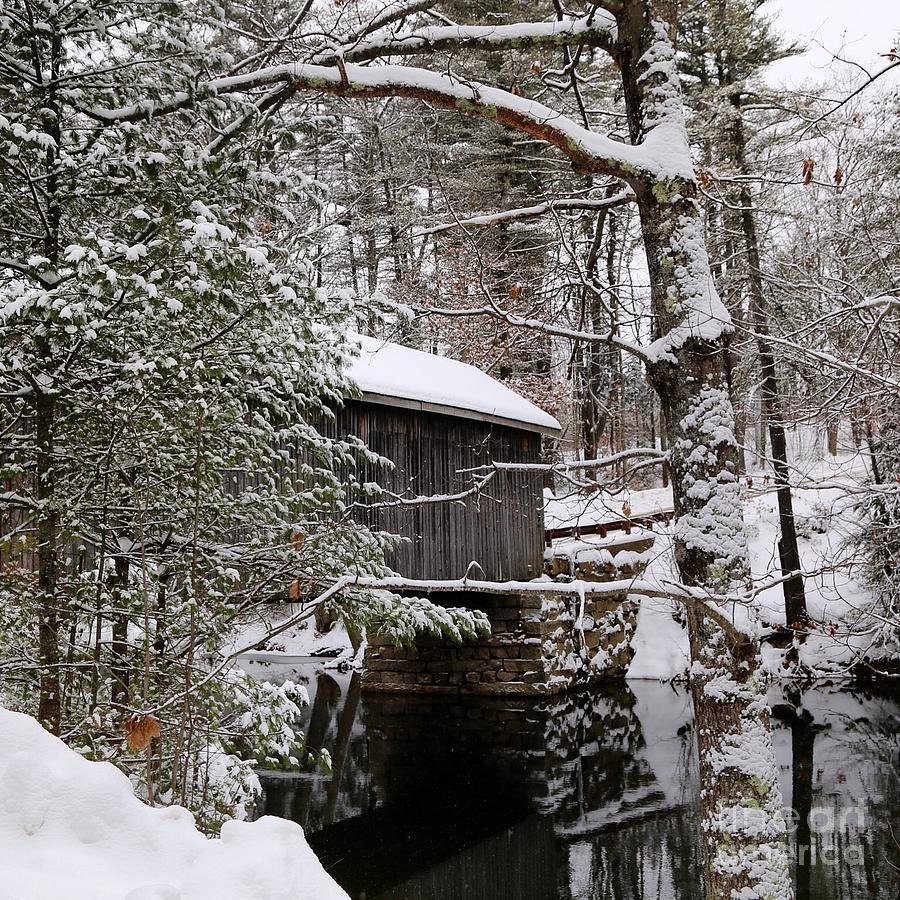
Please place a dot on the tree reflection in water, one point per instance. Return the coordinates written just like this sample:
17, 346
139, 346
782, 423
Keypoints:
590, 796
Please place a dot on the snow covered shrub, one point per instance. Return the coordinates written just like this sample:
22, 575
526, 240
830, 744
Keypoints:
266, 725
401, 621
222, 786
817, 522
18, 618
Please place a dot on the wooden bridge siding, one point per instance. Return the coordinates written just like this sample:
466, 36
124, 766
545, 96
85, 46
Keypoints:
502, 529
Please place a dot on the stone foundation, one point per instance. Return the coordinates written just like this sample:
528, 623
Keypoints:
540, 642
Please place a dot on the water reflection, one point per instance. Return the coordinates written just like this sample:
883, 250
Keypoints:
586, 797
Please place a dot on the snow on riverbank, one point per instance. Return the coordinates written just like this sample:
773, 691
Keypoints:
823, 507
301, 639
73, 829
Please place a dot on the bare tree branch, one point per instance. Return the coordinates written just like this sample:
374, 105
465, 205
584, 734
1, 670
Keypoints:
530, 212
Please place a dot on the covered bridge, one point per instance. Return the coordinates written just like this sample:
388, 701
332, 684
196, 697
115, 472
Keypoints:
437, 419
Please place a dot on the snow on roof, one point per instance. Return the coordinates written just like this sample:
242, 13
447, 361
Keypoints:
395, 375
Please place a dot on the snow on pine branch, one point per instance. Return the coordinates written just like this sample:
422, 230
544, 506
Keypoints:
716, 606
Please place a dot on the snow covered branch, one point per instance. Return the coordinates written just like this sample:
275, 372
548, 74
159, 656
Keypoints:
599, 30
872, 77
483, 475
635, 452
398, 501
591, 153
25, 269
530, 212
829, 360
573, 334
704, 602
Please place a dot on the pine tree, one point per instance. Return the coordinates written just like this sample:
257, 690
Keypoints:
167, 364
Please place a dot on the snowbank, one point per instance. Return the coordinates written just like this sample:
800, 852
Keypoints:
300, 639
73, 828
661, 649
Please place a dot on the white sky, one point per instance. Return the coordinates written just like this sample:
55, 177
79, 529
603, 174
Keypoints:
855, 29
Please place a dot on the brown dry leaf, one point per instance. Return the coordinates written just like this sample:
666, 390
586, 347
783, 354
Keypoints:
140, 730
809, 166
838, 176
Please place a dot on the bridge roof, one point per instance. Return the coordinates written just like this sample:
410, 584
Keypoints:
393, 375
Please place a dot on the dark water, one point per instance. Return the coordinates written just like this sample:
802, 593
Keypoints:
587, 797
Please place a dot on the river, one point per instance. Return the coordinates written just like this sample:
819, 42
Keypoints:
590, 796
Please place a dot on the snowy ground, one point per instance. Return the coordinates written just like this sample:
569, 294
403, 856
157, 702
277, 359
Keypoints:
73, 829
300, 640
823, 507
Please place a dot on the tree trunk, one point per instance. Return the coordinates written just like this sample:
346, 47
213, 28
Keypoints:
788, 553
49, 707
744, 833
727, 684
740, 435
762, 427
803, 739
832, 433
595, 374
45, 424
873, 457
617, 380
121, 661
